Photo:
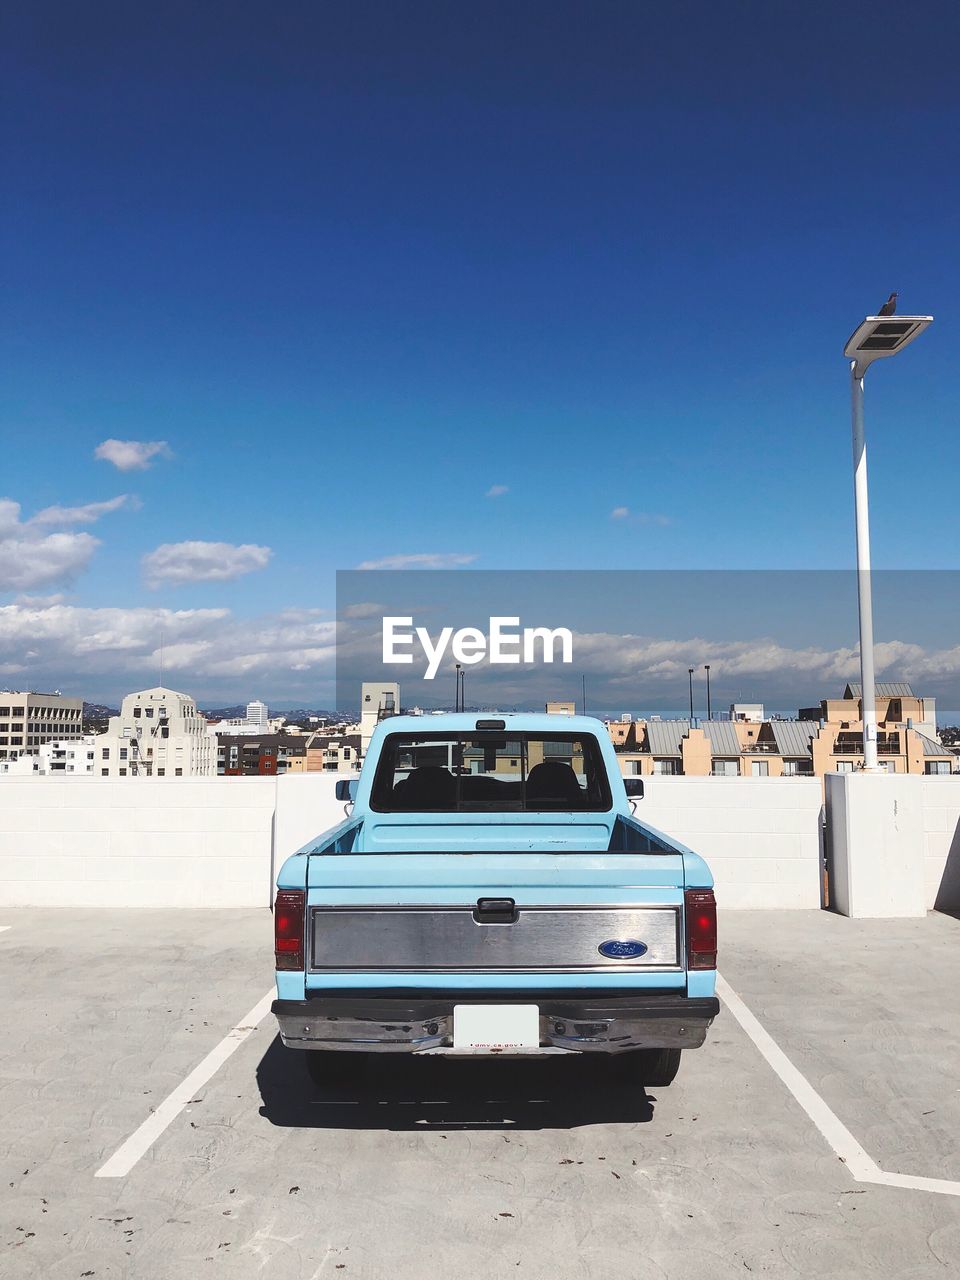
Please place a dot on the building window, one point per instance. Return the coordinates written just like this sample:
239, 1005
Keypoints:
105, 753
136, 713
760, 769
178, 773
936, 766
664, 767
123, 753
161, 773
123, 773
844, 766
726, 768
104, 773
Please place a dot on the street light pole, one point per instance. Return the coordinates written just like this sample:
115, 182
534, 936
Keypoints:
690, 674
876, 338
868, 688
706, 667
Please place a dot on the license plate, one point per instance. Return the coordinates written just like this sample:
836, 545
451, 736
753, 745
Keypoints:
491, 1027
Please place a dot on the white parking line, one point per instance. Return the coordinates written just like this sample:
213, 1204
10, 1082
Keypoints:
139, 1142
835, 1132
839, 1137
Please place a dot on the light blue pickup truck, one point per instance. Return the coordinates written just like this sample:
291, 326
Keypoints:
491, 892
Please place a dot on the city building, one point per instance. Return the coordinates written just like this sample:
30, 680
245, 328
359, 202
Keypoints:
158, 733
752, 711
377, 702
561, 708
262, 754
68, 756
28, 720
257, 714
58, 757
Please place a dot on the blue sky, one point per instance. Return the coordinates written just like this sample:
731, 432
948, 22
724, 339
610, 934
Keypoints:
359, 265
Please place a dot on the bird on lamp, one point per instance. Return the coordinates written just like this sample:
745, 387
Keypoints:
889, 308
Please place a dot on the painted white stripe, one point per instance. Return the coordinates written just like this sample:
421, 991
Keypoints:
5, 927
836, 1133
139, 1142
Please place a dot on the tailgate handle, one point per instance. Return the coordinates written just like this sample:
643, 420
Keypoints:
495, 911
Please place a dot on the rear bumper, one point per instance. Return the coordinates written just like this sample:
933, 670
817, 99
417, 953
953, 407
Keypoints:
423, 1022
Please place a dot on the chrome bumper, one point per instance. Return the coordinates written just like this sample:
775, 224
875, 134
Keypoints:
402, 1024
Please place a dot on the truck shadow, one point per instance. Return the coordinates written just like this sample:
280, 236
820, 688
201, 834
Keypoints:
397, 1092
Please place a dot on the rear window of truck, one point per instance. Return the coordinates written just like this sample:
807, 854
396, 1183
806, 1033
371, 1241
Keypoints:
495, 773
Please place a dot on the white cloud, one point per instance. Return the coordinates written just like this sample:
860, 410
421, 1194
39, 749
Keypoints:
640, 517
33, 554
28, 562
425, 560
175, 563
497, 490
109, 652
87, 514
132, 455
210, 653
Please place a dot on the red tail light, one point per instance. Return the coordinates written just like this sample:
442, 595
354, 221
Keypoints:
700, 909
288, 928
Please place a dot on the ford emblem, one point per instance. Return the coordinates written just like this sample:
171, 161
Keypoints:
622, 949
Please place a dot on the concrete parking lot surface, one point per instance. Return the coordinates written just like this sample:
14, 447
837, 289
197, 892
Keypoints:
540, 1169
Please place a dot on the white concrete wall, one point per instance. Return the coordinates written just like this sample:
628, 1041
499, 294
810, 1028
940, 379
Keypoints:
92, 842
895, 843
941, 842
216, 842
761, 836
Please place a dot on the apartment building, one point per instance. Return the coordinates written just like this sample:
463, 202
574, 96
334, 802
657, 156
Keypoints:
824, 739
70, 756
377, 702
260, 755
159, 733
28, 720
333, 752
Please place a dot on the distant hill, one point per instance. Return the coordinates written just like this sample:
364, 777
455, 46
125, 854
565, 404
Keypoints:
299, 713
96, 715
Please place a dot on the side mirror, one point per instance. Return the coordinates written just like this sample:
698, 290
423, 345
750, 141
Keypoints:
346, 788
634, 788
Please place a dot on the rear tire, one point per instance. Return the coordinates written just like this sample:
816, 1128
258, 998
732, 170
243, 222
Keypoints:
333, 1068
653, 1067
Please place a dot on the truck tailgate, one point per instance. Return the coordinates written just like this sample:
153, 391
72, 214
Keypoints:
419, 913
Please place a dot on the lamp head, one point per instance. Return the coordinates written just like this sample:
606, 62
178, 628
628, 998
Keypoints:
881, 336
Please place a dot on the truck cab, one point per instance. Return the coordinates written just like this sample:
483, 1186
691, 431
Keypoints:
492, 892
